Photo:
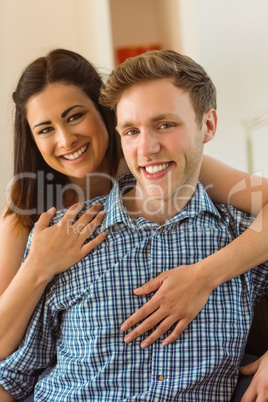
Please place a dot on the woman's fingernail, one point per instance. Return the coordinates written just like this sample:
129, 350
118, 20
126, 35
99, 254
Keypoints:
144, 344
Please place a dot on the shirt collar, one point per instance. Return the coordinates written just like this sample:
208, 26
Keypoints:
114, 206
117, 213
200, 202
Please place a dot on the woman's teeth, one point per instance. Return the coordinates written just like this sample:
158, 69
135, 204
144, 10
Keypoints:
77, 154
156, 168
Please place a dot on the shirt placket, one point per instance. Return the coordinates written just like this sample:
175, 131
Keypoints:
160, 362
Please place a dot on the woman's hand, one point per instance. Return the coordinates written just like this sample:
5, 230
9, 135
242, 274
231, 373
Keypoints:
182, 293
53, 250
57, 248
258, 388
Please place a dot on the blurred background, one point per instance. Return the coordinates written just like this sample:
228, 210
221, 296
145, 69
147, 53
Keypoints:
228, 38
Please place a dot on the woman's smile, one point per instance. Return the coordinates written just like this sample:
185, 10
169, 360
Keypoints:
76, 154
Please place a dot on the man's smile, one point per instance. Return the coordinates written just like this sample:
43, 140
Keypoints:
152, 169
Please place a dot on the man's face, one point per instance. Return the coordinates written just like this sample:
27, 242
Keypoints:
161, 140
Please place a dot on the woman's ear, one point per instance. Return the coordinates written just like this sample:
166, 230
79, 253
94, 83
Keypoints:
210, 120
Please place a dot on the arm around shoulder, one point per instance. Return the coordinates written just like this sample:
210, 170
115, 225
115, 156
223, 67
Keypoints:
227, 185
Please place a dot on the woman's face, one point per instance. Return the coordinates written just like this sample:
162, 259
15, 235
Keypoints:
68, 130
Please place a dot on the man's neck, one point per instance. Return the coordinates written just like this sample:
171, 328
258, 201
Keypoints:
156, 210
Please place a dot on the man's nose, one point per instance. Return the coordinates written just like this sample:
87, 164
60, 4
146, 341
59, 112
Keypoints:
148, 144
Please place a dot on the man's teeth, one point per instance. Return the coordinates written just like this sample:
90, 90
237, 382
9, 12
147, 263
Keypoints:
77, 154
156, 168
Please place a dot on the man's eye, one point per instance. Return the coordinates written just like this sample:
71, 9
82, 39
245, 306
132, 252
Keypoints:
131, 132
74, 117
166, 125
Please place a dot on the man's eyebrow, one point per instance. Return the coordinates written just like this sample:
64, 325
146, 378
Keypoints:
165, 116
123, 125
156, 118
64, 114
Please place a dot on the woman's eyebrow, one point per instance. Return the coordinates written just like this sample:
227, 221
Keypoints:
64, 114
41, 124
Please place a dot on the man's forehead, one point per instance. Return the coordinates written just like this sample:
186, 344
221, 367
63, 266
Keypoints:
152, 103
147, 92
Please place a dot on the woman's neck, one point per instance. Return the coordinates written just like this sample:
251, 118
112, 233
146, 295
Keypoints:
95, 184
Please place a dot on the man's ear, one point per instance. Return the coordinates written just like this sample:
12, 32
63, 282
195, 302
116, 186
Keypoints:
210, 120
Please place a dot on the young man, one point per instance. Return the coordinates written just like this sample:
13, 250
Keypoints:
158, 218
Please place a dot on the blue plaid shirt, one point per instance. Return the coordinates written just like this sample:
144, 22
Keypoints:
76, 326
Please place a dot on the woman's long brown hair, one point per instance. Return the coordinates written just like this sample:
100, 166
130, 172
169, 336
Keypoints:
35, 183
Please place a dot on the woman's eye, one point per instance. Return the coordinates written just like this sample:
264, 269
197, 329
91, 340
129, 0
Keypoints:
46, 130
74, 117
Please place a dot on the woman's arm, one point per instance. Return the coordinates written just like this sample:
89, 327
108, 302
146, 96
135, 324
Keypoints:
183, 291
226, 185
5, 396
13, 240
53, 250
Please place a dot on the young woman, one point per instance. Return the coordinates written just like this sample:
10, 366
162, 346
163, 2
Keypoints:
62, 134
66, 151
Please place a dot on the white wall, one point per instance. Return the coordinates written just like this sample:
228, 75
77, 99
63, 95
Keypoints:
28, 29
232, 42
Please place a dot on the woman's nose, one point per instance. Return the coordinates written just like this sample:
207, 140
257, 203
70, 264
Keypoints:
66, 139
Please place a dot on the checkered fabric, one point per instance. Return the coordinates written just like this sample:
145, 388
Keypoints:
76, 326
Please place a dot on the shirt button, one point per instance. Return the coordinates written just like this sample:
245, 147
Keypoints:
160, 230
160, 377
158, 273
